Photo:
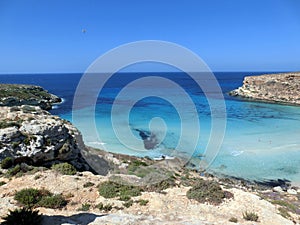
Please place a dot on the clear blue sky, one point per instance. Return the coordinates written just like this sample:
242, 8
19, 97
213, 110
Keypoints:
230, 35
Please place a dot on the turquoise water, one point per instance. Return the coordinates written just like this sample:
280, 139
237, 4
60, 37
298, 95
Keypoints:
261, 141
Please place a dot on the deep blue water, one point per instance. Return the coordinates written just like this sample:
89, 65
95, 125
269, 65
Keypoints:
261, 140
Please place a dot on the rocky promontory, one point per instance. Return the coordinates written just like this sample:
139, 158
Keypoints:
20, 94
276, 88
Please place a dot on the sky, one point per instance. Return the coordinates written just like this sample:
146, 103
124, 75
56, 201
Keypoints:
46, 36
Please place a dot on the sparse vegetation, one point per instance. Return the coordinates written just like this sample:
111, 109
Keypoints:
110, 189
207, 191
143, 202
64, 168
284, 213
250, 216
105, 208
23, 216
2, 183
84, 207
136, 165
233, 220
7, 163
128, 203
286, 204
6, 124
88, 184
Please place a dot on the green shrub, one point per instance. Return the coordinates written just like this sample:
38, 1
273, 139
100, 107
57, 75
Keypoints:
7, 163
2, 183
5, 124
128, 203
284, 213
64, 168
143, 202
22, 216
207, 191
105, 208
286, 204
88, 184
111, 189
250, 216
53, 202
233, 220
134, 165
84, 207
28, 197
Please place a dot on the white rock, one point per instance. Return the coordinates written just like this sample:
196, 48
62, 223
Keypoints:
292, 191
278, 189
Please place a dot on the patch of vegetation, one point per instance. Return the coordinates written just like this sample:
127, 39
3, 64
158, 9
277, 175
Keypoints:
168, 182
288, 205
31, 197
84, 207
7, 163
2, 183
284, 213
53, 202
105, 208
233, 220
28, 197
110, 189
64, 168
207, 191
6, 124
134, 165
128, 203
36, 177
23, 216
142, 202
88, 184
250, 216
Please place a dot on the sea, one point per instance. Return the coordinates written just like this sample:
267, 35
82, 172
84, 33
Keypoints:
260, 141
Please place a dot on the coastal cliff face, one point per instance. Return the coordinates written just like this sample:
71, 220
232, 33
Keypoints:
277, 88
32, 134
17, 95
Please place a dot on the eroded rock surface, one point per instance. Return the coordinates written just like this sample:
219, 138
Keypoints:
276, 88
30, 132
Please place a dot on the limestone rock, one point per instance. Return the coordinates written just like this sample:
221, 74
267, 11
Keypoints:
27, 131
277, 88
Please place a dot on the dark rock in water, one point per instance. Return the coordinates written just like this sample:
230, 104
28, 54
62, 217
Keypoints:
283, 183
150, 139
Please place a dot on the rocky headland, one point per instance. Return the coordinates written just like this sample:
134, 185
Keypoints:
283, 88
42, 153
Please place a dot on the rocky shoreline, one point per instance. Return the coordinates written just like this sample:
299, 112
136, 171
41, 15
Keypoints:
36, 140
281, 88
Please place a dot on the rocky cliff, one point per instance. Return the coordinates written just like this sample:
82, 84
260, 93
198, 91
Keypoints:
31, 134
277, 88
16, 95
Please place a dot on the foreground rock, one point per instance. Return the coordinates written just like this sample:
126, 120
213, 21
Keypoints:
168, 207
276, 88
17, 95
32, 135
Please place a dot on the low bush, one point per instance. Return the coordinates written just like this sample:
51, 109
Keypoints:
64, 168
7, 163
28, 197
233, 220
53, 202
2, 183
84, 207
207, 191
105, 208
88, 184
110, 189
22, 216
128, 203
143, 202
31, 197
250, 216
